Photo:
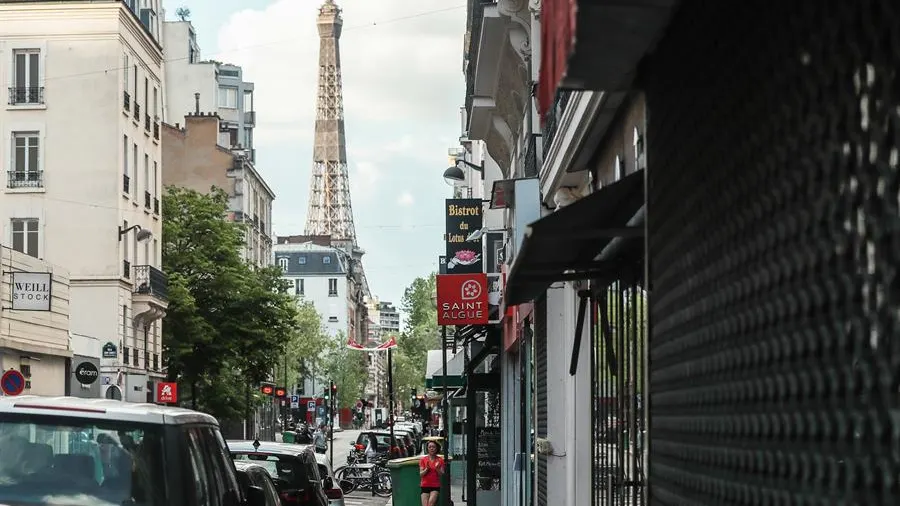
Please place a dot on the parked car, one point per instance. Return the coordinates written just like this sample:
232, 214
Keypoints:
100, 452
294, 469
335, 493
254, 476
383, 440
407, 440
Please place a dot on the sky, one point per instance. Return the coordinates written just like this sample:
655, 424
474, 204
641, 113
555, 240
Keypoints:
403, 88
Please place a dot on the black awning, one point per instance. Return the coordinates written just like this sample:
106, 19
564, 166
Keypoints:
565, 245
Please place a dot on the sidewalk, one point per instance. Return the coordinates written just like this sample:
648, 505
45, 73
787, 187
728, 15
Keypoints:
456, 493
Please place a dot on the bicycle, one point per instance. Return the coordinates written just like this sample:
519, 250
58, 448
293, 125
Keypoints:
365, 476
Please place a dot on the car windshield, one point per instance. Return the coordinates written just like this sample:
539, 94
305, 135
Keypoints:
287, 471
79, 462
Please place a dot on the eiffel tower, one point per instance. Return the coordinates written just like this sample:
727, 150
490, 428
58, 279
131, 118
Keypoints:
330, 212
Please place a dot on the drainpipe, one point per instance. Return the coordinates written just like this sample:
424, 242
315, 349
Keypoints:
67, 379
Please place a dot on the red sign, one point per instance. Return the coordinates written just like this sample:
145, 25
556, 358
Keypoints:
166, 393
12, 382
462, 299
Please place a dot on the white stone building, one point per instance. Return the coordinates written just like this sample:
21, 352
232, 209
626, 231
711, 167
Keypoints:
34, 337
82, 160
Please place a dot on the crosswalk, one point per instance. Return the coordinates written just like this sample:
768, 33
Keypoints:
364, 498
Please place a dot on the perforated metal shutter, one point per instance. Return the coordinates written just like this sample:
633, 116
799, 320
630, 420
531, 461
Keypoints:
540, 386
774, 233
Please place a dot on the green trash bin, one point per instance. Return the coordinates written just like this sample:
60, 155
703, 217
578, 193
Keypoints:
288, 436
405, 482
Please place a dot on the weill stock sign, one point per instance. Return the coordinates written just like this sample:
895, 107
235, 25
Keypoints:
462, 299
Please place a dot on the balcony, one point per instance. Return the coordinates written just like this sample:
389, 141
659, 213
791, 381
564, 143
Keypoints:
137, 111
150, 298
148, 200
126, 184
27, 179
250, 118
147, 123
126, 102
156, 130
26, 95
155, 206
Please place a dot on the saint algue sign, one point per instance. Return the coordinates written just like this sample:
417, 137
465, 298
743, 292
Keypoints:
464, 216
462, 299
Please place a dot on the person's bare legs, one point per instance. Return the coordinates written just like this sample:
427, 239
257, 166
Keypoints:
425, 499
432, 499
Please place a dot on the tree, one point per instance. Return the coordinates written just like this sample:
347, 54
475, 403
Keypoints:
348, 369
227, 322
303, 353
420, 335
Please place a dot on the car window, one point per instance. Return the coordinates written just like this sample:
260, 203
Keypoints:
323, 472
268, 488
82, 461
202, 475
229, 491
285, 470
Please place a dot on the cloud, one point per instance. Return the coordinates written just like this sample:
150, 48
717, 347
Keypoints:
393, 66
406, 200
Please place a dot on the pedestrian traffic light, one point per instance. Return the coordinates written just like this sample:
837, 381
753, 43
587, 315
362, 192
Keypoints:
280, 392
267, 389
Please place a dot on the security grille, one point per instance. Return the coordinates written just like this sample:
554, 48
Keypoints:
540, 386
774, 250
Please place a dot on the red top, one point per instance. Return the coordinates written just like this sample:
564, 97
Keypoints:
431, 478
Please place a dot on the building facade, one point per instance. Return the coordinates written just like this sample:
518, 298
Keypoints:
220, 87
34, 323
376, 386
85, 81
193, 159
388, 318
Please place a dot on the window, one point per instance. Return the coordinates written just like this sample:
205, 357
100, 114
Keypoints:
326, 260
153, 258
26, 76
134, 165
146, 172
332, 287
125, 154
298, 288
618, 168
146, 96
332, 319
25, 162
155, 103
135, 83
283, 263
197, 468
155, 177
302, 259
125, 67
126, 253
228, 97
25, 236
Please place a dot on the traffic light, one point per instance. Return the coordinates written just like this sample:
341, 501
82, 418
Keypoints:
267, 389
334, 390
280, 392
325, 394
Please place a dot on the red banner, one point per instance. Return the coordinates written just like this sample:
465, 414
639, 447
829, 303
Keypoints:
167, 393
462, 299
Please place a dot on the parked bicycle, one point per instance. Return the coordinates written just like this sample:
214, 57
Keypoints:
361, 475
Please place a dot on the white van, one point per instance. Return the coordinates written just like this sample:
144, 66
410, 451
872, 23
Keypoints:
98, 452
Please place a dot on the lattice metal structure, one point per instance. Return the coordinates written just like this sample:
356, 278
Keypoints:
330, 212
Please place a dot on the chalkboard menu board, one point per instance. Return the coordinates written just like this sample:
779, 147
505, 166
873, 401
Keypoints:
488, 440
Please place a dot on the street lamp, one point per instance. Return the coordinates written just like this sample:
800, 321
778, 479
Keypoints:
455, 174
142, 233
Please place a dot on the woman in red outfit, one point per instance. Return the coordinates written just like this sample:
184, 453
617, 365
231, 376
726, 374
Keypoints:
431, 468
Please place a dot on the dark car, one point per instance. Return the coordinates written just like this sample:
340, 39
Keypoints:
384, 443
254, 479
292, 467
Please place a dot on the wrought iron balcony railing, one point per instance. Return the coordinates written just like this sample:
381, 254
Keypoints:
156, 206
149, 280
126, 102
148, 200
26, 95
137, 111
156, 130
126, 183
126, 269
25, 179
147, 122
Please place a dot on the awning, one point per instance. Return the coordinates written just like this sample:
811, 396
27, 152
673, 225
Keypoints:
567, 245
596, 44
434, 374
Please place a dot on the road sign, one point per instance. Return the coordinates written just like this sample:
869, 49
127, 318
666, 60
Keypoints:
321, 410
310, 405
12, 382
295, 401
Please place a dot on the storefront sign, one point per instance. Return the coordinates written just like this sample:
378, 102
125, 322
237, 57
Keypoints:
442, 264
31, 291
167, 393
86, 373
110, 351
462, 299
464, 217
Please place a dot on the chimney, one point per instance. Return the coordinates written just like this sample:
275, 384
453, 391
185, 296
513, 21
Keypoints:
197, 103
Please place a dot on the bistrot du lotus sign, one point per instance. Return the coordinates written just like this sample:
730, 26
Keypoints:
462, 299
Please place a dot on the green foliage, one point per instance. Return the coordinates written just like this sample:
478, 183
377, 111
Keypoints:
227, 322
348, 369
303, 353
420, 335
